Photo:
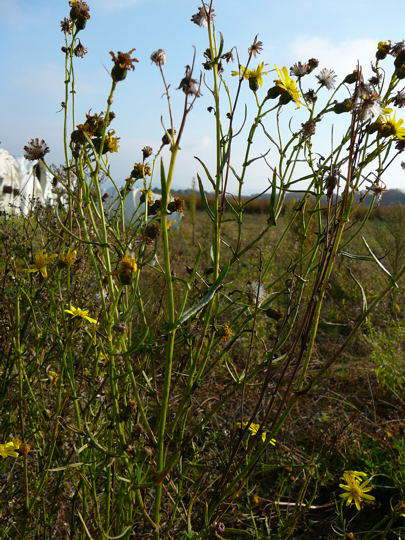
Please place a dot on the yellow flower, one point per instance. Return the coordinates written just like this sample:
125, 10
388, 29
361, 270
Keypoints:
254, 428
68, 258
83, 313
8, 450
390, 126
126, 269
41, 260
355, 490
254, 77
288, 85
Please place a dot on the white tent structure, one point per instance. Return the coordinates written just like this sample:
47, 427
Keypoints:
22, 184
137, 209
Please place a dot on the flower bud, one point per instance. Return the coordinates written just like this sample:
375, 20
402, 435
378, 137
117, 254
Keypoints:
344, 106
274, 92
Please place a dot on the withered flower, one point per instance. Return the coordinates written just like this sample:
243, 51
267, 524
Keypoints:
147, 151
122, 64
167, 137
155, 207
399, 100
80, 50
79, 13
327, 77
177, 205
203, 15
159, 57
308, 128
36, 149
256, 48
369, 106
66, 25
140, 170
228, 57
189, 85
110, 142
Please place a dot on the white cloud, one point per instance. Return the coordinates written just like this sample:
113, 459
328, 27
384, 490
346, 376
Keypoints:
340, 56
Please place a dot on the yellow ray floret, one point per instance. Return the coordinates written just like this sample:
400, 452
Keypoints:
248, 74
81, 313
286, 83
41, 260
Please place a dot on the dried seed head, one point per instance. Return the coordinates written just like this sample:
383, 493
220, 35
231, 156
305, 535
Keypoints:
299, 69
66, 25
120, 328
327, 77
308, 129
122, 64
369, 106
140, 170
203, 15
147, 151
159, 57
256, 48
399, 100
80, 50
36, 149
189, 85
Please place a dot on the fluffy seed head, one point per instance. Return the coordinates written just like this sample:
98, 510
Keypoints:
159, 57
327, 77
36, 149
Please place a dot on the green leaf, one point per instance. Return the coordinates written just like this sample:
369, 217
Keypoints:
204, 199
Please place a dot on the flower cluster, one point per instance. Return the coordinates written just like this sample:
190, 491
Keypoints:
92, 129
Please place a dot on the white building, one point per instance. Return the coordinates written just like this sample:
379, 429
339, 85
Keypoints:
22, 184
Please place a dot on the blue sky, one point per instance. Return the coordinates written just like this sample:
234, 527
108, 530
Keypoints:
336, 32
